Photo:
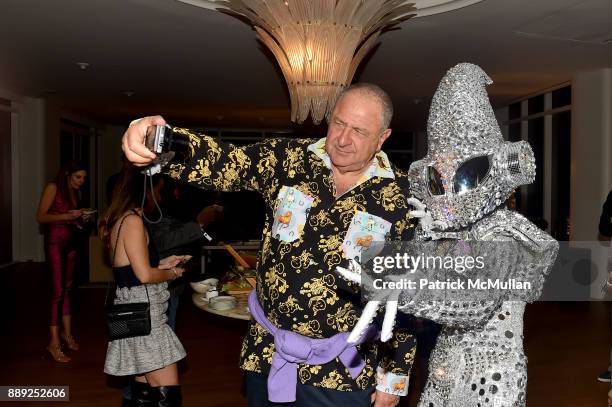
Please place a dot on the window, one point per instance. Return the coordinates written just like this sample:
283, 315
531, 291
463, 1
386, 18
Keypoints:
560, 186
562, 97
545, 122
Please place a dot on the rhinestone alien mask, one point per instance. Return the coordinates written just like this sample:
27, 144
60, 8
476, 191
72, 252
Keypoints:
469, 169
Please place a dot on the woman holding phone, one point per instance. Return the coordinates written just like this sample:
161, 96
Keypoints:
141, 276
57, 211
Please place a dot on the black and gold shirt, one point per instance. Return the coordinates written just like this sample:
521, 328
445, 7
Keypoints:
308, 232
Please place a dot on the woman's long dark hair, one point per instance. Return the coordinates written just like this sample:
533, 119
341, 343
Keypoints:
127, 195
62, 182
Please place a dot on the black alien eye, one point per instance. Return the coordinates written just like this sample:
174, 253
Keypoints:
435, 181
471, 174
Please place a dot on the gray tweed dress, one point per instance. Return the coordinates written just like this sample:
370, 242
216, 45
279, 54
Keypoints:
144, 354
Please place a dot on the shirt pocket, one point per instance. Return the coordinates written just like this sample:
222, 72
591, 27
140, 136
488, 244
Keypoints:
292, 209
364, 229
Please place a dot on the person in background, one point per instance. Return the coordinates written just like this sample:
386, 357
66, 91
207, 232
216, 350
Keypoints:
57, 211
173, 236
141, 276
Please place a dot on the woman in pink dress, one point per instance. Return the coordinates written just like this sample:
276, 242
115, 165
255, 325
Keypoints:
57, 211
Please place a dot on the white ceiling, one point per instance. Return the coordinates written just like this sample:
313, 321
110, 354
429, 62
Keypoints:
206, 68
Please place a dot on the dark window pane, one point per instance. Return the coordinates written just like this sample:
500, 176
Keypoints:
560, 187
562, 97
534, 206
514, 111
514, 132
535, 104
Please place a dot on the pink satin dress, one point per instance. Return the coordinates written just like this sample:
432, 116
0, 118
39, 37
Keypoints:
61, 256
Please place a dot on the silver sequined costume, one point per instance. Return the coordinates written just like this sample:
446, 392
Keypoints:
467, 174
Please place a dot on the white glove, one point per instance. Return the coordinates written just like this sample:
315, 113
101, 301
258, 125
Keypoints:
425, 220
353, 274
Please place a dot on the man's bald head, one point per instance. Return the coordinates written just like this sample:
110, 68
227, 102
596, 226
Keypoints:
370, 90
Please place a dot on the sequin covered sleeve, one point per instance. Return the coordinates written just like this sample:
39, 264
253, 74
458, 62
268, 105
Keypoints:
516, 250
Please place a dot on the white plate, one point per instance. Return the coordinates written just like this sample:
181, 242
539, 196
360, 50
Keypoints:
203, 286
223, 302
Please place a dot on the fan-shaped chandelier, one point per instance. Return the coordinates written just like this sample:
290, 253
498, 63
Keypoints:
320, 43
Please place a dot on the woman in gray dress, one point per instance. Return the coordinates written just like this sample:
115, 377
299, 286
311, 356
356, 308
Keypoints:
142, 277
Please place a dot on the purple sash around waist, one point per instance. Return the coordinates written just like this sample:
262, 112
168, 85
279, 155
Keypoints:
291, 348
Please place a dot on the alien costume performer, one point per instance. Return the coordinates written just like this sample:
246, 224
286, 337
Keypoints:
468, 173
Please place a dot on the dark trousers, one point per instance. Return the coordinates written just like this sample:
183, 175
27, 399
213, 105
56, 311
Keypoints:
306, 396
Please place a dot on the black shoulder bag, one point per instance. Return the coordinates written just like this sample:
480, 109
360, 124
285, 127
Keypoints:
127, 320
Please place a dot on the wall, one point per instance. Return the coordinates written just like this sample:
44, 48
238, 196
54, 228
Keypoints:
29, 160
591, 166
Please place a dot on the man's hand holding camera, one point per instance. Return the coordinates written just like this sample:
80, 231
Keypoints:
133, 142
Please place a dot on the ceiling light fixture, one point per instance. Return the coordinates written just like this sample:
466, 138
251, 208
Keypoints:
320, 43
83, 65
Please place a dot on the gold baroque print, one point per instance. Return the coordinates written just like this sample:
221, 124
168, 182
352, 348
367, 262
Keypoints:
390, 197
201, 173
273, 317
290, 306
403, 336
401, 226
328, 181
311, 189
257, 331
238, 164
305, 372
270, 194
311, 329
175, 170
251, 364
344, 318
294, 161
348, 206
409, 356
331, 243
266, 164
364, 378
333, 380
268, 353
265, 244
332, 259
276, 282
213, 149
320, 292
318, 168
304, 260
320, 220
243, 348
331, 246
285, 247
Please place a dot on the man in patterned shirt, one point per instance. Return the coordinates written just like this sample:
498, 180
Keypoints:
326, 200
